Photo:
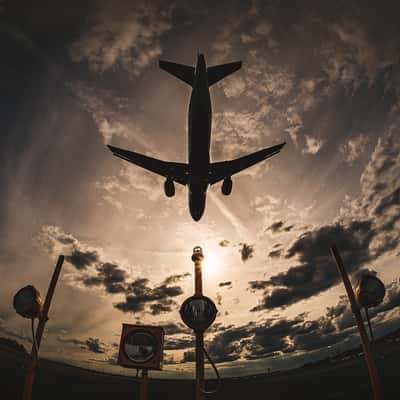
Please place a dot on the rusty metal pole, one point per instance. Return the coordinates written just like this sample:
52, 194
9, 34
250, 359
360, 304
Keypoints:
143, 385
373, 372
30, 375
197, 258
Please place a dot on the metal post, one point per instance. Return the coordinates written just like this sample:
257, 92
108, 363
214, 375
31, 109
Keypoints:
371, 333
198, 290
143, 385
30, 375
373, 373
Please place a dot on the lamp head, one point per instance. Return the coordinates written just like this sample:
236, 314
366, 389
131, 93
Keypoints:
370, 291
197, 254
28, 302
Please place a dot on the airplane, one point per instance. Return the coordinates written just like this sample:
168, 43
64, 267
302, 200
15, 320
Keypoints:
199, 172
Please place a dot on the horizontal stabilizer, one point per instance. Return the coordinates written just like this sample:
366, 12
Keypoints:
183, 72
218, 72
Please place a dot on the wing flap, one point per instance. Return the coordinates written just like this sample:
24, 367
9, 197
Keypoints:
178, 172
221, 170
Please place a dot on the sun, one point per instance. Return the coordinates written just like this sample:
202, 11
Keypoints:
212, 263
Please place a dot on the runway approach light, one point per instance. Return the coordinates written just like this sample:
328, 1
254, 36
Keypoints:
28, 303
198, 312
141, 347
370, 291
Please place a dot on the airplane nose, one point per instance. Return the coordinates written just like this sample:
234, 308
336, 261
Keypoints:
197, 216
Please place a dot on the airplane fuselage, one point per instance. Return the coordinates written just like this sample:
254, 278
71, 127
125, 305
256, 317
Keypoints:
198, 173
199, 131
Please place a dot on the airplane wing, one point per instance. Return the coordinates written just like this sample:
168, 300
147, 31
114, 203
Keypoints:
178, 172
221, 170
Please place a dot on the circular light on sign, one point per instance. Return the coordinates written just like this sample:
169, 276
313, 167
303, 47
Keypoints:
28, 302
198, 312
140, 346
370, 291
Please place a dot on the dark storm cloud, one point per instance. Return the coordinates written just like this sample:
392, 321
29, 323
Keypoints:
175, 328
317, 271
288, 335
179, 343
368, 232
139, 294
176, 278
275, 253
189, 356
82, 259
278, 226
246, 251
227, 283
92, 344
113, 277
224, 243
227, 345
162, 307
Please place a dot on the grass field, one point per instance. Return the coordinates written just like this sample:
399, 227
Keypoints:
324, 381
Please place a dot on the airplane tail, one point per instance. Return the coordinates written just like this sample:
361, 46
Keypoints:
219, 72
183, 72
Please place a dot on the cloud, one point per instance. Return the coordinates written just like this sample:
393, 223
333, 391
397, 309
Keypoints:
139, 295
111, 276
313, 145
92, 344
278, 226
275, 253
175, 328
82, 259
366, 230
317, 270
354, 148
273, 337
246, 251
176, 278
124, 35
179, 343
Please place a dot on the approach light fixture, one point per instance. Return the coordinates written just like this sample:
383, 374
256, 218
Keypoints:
28, 303
141, 347
370, 291
198, 312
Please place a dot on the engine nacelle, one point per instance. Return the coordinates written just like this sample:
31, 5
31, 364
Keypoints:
227, 186
169, 188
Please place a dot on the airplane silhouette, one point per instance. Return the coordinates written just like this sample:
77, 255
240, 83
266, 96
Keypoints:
199, 172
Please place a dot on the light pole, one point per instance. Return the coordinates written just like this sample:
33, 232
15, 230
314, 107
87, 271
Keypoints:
373, 372
28, 304
198, 312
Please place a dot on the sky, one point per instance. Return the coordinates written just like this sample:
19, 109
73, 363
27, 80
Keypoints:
322, 76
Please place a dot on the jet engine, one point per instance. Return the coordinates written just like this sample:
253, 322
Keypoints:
169, 188
227, 186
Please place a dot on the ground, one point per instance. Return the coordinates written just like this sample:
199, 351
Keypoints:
342, 379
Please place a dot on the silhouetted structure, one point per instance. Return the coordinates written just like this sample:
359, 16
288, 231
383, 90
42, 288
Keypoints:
198, 173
